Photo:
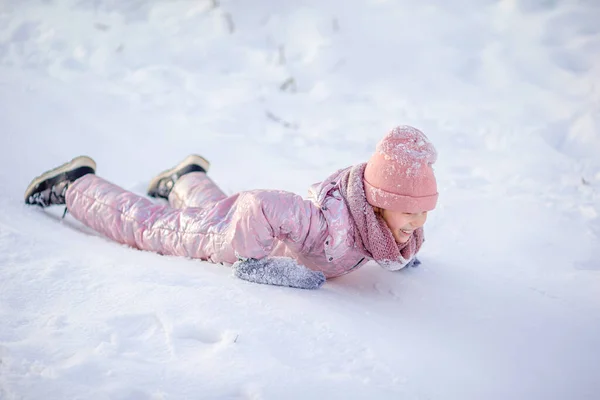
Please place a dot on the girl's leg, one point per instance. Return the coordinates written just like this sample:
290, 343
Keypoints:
138, 222
195, 189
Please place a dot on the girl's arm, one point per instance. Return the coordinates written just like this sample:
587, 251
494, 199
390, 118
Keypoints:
261, 216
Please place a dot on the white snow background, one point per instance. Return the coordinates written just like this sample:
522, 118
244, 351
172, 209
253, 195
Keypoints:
279, 94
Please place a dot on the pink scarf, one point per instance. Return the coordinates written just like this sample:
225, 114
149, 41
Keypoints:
371, 231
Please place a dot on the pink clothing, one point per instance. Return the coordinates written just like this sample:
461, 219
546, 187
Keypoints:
200, 221
372, 231
334, 231
399, 175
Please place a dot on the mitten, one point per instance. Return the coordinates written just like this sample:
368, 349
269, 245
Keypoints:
280, 271
414, 262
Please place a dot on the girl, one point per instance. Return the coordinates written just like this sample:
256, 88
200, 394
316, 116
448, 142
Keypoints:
374, 210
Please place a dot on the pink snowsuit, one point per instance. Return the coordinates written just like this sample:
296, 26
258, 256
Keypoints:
200, 221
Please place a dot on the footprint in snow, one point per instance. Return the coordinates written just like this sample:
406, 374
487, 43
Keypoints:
201, 338
386, 290
139, 336
192, 332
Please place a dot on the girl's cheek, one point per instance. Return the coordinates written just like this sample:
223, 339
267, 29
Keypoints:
401, 222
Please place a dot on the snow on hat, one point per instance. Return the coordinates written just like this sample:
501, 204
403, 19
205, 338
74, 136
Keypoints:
399, 176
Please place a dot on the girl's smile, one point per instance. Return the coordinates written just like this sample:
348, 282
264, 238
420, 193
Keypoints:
402, 224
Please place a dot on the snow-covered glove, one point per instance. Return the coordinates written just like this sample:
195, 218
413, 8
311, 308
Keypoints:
414, 262
280, 271
397, 266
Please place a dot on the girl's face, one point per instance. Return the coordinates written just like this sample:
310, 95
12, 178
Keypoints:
402, 224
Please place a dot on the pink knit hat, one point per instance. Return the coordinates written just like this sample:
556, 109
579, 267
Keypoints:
399, 176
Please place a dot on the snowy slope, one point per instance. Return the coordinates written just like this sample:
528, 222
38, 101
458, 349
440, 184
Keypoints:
507, 301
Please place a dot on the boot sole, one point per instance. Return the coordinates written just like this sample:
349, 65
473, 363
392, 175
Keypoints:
75, 164
189, 160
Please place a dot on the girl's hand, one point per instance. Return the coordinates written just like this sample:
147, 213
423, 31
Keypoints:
279, 271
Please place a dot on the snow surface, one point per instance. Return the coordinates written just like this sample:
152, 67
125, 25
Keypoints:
506, 304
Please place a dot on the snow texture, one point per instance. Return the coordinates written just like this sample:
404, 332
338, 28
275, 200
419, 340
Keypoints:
278, 95
409, 147
279, 271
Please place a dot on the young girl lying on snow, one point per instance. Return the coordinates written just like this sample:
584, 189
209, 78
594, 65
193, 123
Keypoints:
374, 210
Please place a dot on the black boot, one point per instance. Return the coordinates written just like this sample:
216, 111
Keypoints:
50, 187
162, 184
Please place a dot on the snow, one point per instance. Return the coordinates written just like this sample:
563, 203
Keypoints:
409, 147
506, 303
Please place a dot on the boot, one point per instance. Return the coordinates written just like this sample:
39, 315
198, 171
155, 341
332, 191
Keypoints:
161, 185
50, 187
